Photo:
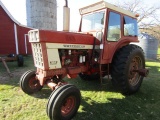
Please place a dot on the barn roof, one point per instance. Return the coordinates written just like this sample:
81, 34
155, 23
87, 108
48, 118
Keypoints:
12, 18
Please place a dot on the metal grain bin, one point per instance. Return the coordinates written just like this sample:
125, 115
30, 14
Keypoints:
42, 14
149, 44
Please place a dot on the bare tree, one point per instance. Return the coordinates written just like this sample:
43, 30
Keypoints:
147, 13
149, 20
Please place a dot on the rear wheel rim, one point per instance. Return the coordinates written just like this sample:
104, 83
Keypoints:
68, 105
134, 77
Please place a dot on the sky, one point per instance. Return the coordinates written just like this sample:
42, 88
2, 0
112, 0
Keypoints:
17, 8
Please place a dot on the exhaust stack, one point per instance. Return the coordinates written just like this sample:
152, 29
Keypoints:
66, 17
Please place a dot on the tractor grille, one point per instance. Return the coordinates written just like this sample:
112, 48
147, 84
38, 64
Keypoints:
37, 54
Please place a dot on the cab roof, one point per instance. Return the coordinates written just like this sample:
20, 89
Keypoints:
103, 5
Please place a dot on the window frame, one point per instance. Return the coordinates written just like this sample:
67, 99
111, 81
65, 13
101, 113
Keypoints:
120, 28
135, 32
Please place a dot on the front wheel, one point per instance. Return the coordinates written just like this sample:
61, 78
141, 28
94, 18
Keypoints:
28, 82
63, 103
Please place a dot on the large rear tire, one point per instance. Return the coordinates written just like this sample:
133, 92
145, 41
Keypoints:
125, 61
28, 82
63, 103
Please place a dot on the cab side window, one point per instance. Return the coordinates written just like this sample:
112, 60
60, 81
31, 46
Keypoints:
114, 27
130, 26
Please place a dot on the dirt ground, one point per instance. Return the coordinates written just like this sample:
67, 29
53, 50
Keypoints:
6, 77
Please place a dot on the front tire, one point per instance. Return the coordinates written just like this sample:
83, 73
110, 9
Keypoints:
127, 59
63, 103
28, 82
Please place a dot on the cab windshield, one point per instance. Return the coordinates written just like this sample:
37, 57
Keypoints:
93, 22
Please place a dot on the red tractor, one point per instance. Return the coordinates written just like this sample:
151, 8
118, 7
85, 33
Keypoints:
101, 47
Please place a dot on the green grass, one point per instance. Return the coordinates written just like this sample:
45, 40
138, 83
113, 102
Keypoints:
158, 51
98, 102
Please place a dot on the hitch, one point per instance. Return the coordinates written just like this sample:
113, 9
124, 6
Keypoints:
142, 72
5, 65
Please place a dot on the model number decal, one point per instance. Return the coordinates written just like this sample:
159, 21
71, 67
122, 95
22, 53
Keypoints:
53, 62
74, 46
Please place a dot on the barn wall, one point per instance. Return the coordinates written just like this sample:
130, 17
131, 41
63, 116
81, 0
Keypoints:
21, 40
7, 38
7, 35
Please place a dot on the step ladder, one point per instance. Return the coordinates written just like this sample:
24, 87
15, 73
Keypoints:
104, 69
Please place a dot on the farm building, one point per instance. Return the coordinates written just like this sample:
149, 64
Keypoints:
13, 35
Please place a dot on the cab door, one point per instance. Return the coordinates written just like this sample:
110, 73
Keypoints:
112, 35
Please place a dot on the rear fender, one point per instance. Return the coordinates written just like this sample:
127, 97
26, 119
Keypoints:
119, 45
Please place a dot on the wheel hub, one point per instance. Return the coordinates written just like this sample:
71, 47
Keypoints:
68, 105
33, 83
134, 77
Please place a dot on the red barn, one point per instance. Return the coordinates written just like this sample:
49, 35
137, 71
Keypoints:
13, 35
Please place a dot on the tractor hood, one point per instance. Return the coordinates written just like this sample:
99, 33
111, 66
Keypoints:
62, 37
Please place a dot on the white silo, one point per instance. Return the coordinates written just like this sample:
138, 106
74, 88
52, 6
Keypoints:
42, 14
149, 45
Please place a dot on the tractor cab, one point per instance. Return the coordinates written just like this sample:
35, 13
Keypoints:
114, 27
